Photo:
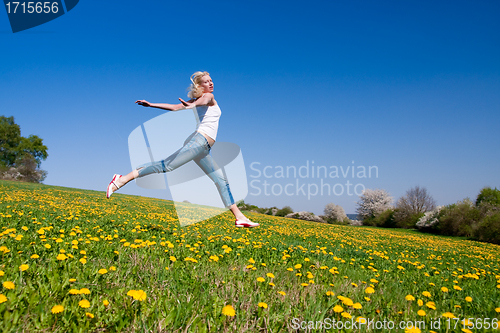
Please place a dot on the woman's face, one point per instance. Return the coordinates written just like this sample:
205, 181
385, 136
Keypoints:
207, 84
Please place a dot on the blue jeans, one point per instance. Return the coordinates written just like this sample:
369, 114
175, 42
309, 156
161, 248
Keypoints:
195, 148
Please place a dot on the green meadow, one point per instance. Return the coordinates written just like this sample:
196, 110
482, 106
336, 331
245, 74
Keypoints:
73, 261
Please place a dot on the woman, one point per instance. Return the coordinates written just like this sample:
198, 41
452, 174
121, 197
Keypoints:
196, 147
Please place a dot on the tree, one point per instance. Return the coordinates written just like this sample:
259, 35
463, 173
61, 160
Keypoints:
489, 196
334, 213
373, 202
20, 157
412, 206
284, 211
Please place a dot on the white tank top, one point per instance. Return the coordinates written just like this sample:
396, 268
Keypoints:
208, 120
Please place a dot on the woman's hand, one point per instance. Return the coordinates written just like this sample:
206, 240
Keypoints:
143, 103
187, 105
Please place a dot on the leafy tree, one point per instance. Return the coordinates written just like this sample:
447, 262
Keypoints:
373, 202
489, 195
284, 211
20, 157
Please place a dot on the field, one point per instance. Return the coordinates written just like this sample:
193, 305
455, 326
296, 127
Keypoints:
72, 261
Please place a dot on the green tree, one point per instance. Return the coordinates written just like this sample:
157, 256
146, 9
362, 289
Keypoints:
20, 157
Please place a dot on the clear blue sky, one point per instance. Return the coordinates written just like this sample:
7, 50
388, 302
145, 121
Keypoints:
411, 87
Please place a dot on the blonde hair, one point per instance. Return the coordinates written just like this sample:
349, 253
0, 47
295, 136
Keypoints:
195, 90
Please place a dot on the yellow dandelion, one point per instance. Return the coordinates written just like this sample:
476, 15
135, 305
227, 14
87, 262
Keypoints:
468, 299
102, 271
74, 292
281, 293
466, 330
290, 269
3, 298
61, 256
57, 309
369, 290
431, 305
89, 315
262, 305
421, 313
105, 302
173, 259
228, 310
9, 285
444, 289
457, 288
420, 302
304, 284
357, 306
72, 280
47, 246
426, 294
330, 293
83, 261
35, 256
2, 273
338, 309
250, 261
271, 284
261, 279
346, 315
412, 330
298, 266
84, 304
448, 315
497, 310
270, 275
361, 320
22, 268
410, 298
84, 291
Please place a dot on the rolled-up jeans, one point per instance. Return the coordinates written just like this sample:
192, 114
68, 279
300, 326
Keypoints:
195, 148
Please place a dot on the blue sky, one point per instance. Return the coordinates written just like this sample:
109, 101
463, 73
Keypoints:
411, 88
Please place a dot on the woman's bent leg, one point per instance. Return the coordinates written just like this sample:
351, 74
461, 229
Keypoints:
212, 170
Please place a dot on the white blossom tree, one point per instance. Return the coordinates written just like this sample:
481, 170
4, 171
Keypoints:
373, 202
335, 212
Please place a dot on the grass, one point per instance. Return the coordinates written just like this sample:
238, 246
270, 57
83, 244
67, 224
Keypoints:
139, 270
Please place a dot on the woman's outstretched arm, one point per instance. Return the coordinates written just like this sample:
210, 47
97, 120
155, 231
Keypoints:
163, 106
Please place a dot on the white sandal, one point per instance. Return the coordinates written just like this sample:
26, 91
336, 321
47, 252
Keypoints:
109, 191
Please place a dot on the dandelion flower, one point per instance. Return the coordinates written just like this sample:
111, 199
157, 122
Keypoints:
420, 302
61, 256
465, 330
346, 315
444, 289
298, 266
421, 313
426, 294
9, 285
261, 279
57, 309
35, 256
84, 303
22, 268
357, 306
228, 310
74, 292
2, 273
85, 291
369, 290
457, 288
338, 309
497, 310
173, 259
468, 299
90, 315
72, 280
262, 305
330, 293
283, 293
2, 298
410, 298
270, 275
448, 315
83, 261
304, 284
102, 271
412, 330
138, 295
105, 302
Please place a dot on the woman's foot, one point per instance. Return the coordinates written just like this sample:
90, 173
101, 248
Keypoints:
245, 223
113, 185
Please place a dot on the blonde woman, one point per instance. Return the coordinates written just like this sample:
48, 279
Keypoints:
196, 147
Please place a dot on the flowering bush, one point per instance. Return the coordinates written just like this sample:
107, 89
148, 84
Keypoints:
373, 202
